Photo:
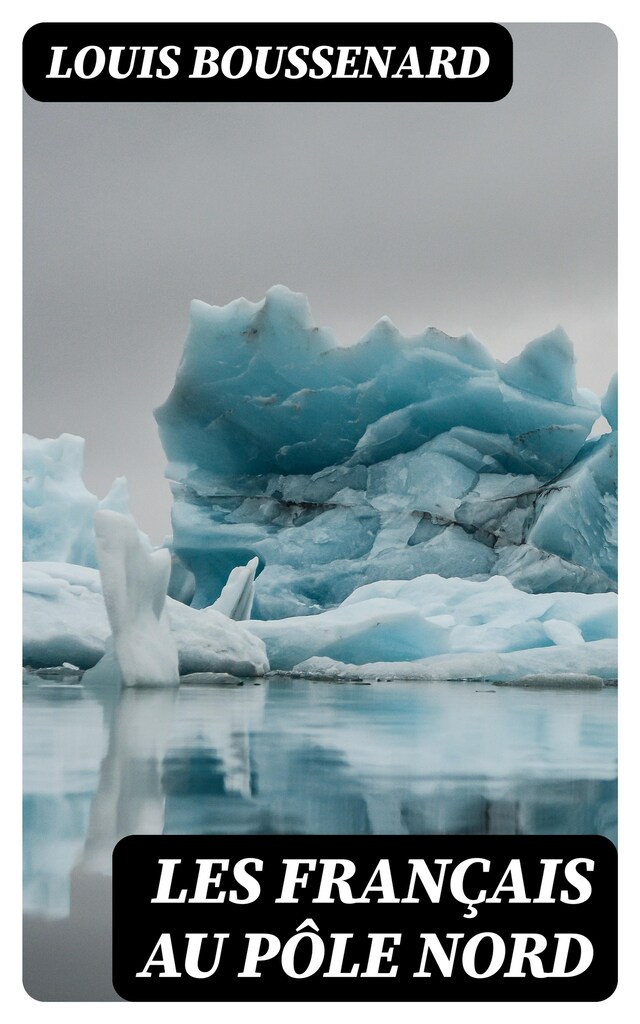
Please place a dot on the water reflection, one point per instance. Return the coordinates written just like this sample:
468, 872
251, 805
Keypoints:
286, 756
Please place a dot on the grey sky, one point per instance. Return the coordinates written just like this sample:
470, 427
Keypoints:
496, 217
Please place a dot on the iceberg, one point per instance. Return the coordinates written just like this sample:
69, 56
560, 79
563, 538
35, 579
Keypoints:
404, 507
208, 641
134, 588
58, 509
389, 459
65, 619
437, 628
562, 666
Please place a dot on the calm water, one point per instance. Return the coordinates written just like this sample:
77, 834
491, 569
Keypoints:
284, 756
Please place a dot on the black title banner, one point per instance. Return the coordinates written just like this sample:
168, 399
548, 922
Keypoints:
430, 61
416, 918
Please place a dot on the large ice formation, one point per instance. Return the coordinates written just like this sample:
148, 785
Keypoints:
134, 588
405, 508
65, 619
438, 628
390, 459
58, 509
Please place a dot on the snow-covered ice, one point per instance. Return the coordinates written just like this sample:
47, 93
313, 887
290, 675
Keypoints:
65, 619
569, 664
208, 641
386, 460
429, 627
432, 627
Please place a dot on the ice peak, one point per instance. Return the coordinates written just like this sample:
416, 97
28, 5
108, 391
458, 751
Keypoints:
545, 367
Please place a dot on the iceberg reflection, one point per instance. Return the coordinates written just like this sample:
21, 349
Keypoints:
222, 755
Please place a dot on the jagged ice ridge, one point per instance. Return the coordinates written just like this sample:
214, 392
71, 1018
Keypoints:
389, 459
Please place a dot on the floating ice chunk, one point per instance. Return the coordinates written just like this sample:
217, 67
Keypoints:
65, 620
497, 604
236, 599
410, 621
134, 587
598, 658
58, 509
386, 629
208, 641
390, 458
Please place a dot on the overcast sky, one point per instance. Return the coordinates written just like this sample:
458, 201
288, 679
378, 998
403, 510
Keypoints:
496, 217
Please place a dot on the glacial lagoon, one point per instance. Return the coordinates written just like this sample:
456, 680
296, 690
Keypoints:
279, 755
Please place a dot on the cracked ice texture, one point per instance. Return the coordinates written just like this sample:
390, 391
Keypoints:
58, 509
389, 459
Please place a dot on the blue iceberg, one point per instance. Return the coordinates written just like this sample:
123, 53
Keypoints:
58, 509
337, 467
402, 508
